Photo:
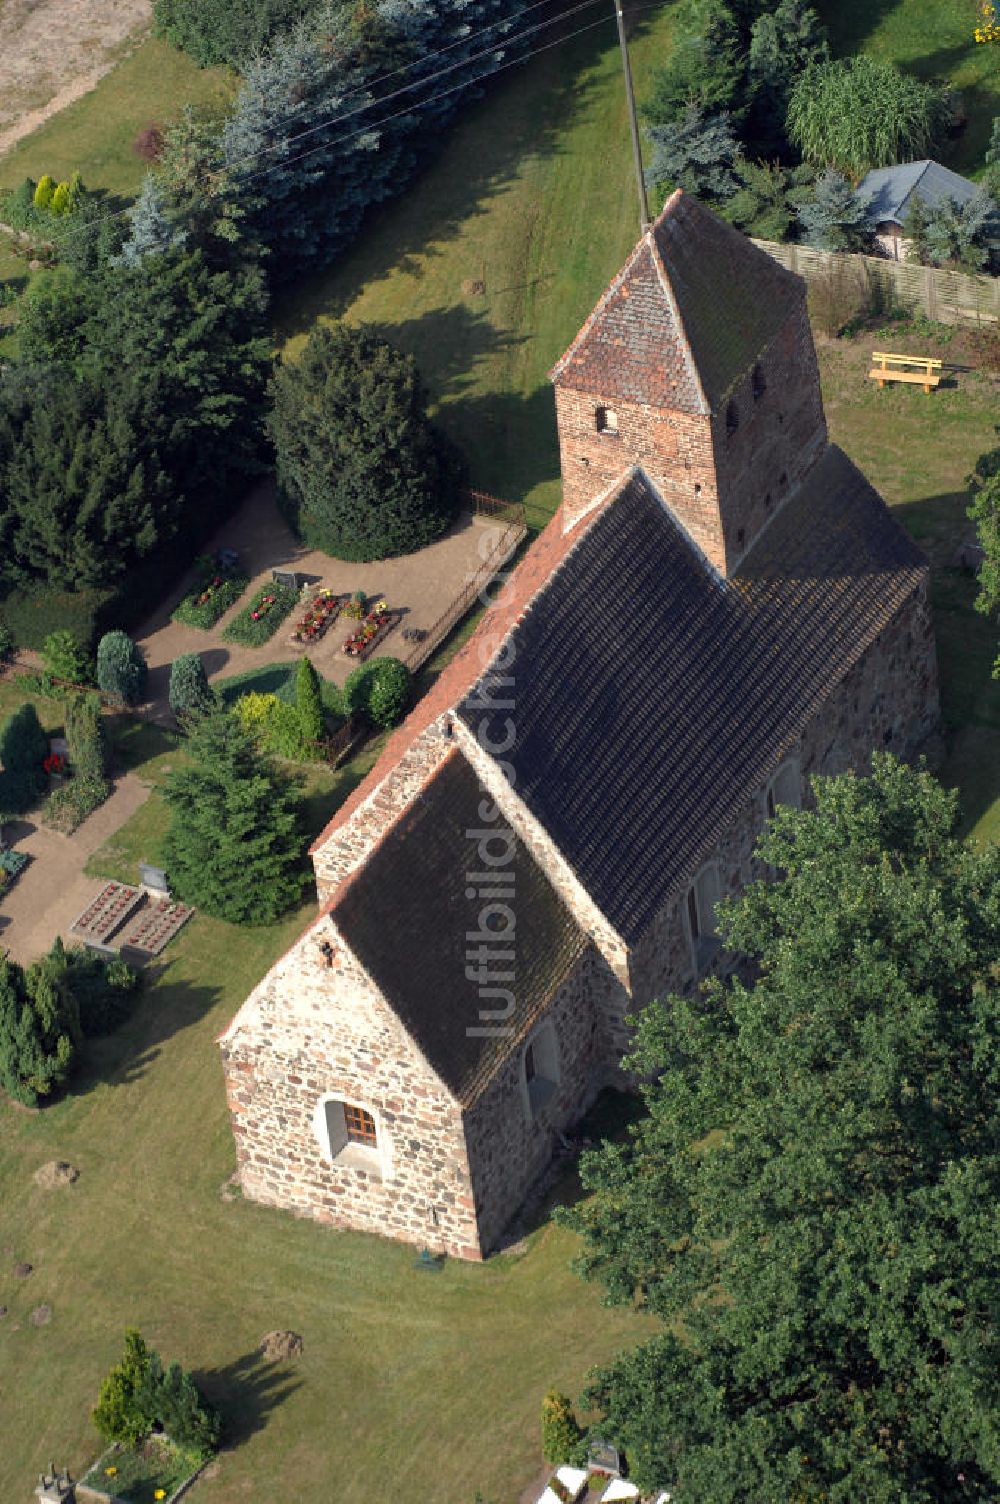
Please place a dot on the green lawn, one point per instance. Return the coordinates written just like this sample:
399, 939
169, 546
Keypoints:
934, 41
94, 136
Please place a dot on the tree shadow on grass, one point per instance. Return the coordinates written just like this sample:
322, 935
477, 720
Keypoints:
162, 1010
245, 1392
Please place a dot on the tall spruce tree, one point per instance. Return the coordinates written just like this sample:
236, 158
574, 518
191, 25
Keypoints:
808, 1209
834, 218
235, 845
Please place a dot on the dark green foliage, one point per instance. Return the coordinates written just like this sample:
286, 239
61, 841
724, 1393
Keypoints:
859, 113
985, 512
834, 217
235, 846
103, 991
85, 736
808, 1208
119, 1415
39, 1027
215, 590
707, 66
189, 693
66, 659
696, 152
783, 43
767, 201
362, 472
226, 31
262, 615
23, 748
379, 692
121, 668
8, 646
19, 205
170, 1398
992, 177
562, 1435
953, 234
308, 702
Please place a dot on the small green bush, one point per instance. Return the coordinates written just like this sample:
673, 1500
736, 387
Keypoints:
121, 668
216, 590
262, 616
19, 205
189, 692
65, 659
85, 736
171, 1398
562, 1435
309, 702
68, 806
275, 726
39, 1027
44, 191
61, 202
379, 692
118, 1414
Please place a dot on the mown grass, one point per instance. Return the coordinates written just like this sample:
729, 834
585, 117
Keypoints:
94, 135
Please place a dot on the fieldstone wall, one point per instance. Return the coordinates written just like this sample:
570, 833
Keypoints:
308, 1032
722, 486
509, 1144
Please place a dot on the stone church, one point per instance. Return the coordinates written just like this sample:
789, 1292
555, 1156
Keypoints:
721, 608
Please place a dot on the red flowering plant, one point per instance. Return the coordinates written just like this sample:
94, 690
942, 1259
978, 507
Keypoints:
53, 763
322, 612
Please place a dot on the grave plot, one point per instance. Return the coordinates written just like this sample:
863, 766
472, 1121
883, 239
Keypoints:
375, 626
155, 925
105, 915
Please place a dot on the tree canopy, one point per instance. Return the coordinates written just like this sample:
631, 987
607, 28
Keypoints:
809, 1206
362, 472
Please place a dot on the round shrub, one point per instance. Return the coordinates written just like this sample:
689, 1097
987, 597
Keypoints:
189, 692
379, 692
562, 1436
44, 191
121, 668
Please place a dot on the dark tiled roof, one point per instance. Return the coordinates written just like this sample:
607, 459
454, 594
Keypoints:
405, 915
888, 191
652, 698
690, 312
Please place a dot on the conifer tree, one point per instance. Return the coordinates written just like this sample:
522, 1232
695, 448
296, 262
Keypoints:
309, 702
696, 152
151, 231
121, 668
835, 219
235, 846
189, 693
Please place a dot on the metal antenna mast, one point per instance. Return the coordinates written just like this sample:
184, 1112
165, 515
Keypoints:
633, 124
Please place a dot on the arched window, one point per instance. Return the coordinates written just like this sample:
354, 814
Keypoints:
784, 788
349, 1135
732, 418
607, 420
699, 913
540, 1066
758, 383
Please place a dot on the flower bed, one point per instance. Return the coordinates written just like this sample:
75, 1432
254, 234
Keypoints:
375, 626
151, 1473
156, 924
323, 609
259, 620
217, 589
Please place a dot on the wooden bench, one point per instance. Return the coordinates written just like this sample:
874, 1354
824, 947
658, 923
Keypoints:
927, 374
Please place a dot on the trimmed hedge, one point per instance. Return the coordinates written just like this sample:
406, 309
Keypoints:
212, 596
262, 616
189, 692
31, 616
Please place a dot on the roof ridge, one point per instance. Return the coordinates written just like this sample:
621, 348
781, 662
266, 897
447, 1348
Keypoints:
663, 277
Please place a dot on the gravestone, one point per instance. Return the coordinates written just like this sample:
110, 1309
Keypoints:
605, 1458
286, 577
56, 1486
154, 880
58, 746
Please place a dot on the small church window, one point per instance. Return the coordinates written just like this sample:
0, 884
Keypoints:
732, 418
702, 897
541, 1068
607, 420
785, 788
360, 1126
759, 383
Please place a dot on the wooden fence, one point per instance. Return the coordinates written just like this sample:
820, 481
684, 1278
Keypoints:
945, 296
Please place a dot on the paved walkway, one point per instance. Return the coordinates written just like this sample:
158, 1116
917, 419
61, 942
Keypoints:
52, 890
422, 585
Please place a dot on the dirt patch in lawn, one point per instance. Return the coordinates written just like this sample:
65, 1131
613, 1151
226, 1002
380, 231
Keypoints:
53, 51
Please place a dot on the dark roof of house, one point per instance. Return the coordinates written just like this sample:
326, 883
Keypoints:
406, 914
692, 309
888, 191
652, 697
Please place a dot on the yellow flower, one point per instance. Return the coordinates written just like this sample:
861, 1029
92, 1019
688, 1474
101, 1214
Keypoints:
109, 1472
161, 1493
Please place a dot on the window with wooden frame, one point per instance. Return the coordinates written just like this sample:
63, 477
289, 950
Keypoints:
607, 420
359, 1126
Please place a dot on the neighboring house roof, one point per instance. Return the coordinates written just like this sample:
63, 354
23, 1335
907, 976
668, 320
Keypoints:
406, 916
692, 309
652, 698
889, 191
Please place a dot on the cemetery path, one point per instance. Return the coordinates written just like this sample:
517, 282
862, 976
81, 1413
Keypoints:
53, 888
